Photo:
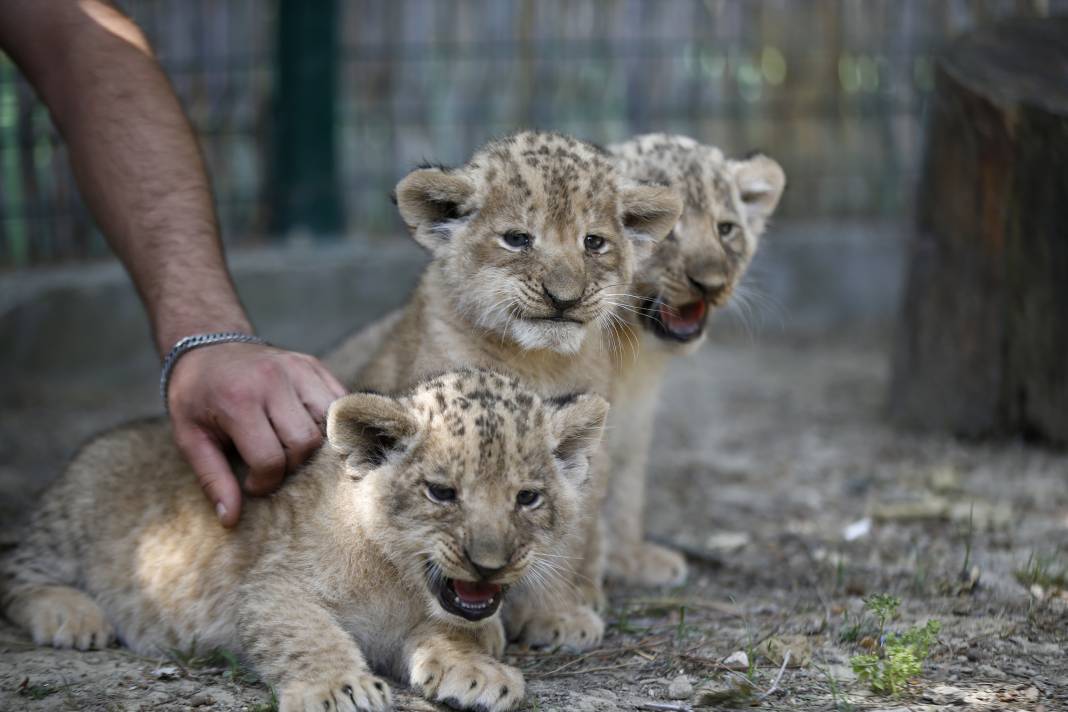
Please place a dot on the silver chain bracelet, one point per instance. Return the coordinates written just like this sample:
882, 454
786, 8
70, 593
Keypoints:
195, 342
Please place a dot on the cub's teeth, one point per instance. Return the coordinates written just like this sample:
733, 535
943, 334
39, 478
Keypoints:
471, 606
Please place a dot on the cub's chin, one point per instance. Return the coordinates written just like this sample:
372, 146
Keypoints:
562, 336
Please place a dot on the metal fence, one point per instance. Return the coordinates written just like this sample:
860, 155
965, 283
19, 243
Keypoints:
834, 89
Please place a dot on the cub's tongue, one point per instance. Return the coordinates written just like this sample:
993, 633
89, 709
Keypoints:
472, 592
685, 319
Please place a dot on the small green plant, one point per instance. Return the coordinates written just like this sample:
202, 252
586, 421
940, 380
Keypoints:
898, 658
884, 607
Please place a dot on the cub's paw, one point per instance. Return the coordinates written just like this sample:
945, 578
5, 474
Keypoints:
357, 691
575, 629
470, 682
65, 618
647, 564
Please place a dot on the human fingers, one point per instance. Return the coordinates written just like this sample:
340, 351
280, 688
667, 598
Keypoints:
295, 427
257, 442
207, 459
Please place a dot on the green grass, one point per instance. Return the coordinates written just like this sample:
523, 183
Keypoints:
217, 658
37, 692
270, 705
1045, 570
841, 704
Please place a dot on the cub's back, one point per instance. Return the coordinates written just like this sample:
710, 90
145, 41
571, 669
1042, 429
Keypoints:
127, 523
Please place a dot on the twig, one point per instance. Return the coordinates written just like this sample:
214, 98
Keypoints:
584, 671
775, 682
596, 654
668, 602
664, 707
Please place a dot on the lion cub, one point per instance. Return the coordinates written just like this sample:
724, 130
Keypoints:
390, 551
691, 272
534, 243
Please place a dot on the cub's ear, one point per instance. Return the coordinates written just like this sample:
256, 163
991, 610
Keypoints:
649, 211
576, 424
369, 427
760, 183
432, 202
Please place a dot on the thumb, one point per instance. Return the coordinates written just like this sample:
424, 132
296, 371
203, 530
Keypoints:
204, 455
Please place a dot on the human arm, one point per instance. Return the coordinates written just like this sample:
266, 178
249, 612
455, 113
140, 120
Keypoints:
139, 168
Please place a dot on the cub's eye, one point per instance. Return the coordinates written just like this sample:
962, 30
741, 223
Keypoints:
440, 494
594, 243
528, 498
726, 229
517, 240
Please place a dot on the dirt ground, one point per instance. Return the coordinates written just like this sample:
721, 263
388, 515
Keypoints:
776, 472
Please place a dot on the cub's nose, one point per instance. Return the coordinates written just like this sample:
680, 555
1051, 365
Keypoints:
708, 286
561, 302
485, 567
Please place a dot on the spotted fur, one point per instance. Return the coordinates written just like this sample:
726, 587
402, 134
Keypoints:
331, 581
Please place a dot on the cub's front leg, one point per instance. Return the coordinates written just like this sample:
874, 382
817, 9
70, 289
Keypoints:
299, 649
631, 559
449, 665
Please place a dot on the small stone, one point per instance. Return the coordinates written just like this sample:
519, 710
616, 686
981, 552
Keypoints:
945, 480
680, 688
735, 691
943, 694
927, 509
799, 647
167, 672
737, 660
726, 541
990, 672
857, 530
201, 699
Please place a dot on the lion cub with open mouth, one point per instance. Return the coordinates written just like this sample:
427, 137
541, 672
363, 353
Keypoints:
389, 552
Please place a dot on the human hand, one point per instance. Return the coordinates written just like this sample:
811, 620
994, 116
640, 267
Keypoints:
268, 402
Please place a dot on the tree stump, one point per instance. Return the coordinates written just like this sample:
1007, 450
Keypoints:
983, 346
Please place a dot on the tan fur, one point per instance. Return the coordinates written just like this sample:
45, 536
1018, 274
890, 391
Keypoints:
695, 262
331, 580
483, 302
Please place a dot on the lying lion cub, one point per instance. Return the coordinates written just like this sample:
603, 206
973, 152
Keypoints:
390, 551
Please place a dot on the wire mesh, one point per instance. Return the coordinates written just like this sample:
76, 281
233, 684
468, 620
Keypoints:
834, 89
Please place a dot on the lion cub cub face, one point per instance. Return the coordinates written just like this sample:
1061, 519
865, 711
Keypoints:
470, 484
698, 265
536, 234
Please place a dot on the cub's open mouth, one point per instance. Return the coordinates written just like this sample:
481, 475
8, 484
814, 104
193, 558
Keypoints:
469, 599
681, 323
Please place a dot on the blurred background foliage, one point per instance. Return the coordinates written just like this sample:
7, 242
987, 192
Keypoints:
308, 113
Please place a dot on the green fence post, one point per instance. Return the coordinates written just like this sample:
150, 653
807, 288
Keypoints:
303, 142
